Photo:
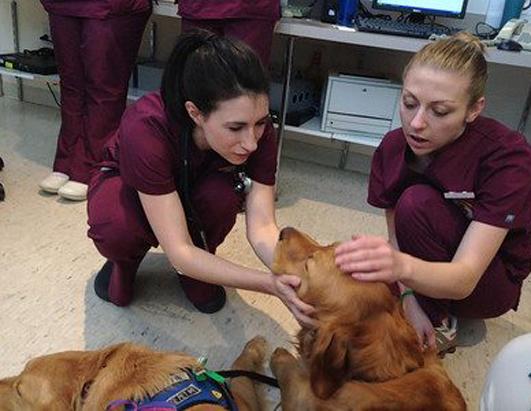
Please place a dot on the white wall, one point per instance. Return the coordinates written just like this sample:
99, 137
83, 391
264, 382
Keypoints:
33, 23
477, 6
5, 27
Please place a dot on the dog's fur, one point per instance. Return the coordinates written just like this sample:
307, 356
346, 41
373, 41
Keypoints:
90, 380
363, 355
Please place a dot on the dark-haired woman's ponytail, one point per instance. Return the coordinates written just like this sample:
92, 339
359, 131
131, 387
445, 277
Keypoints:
172, 89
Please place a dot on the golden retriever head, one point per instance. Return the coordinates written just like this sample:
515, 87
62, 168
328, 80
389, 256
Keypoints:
361, 334
90, 380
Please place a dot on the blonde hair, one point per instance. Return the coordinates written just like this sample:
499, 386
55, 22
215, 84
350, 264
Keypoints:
462, 53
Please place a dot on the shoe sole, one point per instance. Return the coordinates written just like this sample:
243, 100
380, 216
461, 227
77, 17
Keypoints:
72, 197
49, 190
442, 354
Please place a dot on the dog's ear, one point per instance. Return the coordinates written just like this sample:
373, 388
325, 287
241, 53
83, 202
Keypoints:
329, 362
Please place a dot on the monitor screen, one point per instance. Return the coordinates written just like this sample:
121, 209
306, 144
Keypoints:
446, 8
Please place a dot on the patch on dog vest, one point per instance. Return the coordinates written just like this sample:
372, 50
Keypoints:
185, 390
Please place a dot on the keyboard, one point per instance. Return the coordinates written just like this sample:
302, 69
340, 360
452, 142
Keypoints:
402, 28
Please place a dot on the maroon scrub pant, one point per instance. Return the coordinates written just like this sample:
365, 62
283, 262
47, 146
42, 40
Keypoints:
430, 227
95, 59
122, 234
258, 34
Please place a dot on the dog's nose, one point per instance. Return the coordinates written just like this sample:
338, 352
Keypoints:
286, 232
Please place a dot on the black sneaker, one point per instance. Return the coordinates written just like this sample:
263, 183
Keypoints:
102, 281
207, 298
122, 293
214, 305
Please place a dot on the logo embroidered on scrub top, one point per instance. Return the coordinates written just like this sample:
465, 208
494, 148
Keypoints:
509, 218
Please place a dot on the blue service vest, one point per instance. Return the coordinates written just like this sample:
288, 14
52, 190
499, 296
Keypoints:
186, 390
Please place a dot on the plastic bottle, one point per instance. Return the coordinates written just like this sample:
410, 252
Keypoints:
347, 11
495, 13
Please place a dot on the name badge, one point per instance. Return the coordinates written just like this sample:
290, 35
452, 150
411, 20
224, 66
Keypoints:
459, 195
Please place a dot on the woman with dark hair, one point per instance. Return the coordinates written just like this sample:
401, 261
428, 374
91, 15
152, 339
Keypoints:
95, 44
174, 176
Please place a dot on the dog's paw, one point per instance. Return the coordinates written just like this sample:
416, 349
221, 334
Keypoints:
256, 349
281, 358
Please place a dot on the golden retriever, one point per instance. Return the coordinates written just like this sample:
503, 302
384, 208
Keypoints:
363, 355
91, 380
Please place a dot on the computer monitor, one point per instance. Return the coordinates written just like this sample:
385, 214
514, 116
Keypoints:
444, 8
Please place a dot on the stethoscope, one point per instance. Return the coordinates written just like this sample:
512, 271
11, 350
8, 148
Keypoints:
242, 184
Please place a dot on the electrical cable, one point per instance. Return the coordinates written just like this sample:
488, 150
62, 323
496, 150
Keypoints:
488, 35
53, 94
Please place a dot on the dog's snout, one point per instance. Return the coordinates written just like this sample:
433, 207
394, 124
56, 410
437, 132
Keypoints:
285, 233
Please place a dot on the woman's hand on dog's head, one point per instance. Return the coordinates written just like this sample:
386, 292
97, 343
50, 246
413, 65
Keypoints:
286, 289
370, 258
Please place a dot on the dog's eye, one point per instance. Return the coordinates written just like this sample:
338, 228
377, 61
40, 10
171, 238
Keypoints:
17, 389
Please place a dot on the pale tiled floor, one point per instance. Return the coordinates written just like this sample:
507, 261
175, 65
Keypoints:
47, 301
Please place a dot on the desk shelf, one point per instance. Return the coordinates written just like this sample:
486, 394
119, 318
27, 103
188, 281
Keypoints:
133, 94
313, 128
51, 78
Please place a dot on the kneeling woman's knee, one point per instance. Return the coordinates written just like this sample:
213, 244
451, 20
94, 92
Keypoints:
416, 201
118, 241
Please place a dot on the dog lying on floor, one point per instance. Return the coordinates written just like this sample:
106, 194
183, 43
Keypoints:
95, 380
363, 355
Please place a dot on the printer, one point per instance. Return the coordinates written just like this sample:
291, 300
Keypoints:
360, 106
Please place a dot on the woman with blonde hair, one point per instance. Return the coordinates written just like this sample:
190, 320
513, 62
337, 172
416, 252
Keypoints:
456, 189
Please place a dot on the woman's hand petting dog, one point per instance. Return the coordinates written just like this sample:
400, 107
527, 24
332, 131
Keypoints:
420, 322
286, 289
370, 258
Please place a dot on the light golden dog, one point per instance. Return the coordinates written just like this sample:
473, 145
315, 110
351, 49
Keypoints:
363, 355
91, 380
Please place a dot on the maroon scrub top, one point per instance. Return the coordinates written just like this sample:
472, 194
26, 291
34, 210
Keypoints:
145, 149
95, 9
229, 9
489, 160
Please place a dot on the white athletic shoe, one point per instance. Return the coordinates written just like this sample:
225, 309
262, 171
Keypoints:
53, 182
74, 191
